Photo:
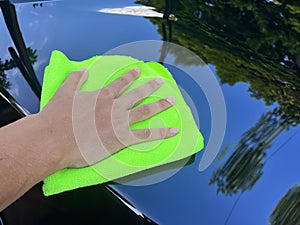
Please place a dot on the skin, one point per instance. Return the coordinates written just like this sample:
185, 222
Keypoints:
34, 147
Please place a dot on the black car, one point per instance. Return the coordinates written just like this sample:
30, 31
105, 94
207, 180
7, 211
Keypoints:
248, 115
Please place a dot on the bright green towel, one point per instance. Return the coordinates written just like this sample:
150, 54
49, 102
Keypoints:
102, 70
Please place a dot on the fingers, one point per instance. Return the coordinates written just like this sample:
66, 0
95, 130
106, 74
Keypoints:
151, 134
145, 111
116, 87
138, 94
76, 79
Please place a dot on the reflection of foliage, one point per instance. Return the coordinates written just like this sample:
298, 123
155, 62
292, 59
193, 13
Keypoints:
37, 5
32, 55
244, 167
287, 210
10, 64
6, 65
248, 41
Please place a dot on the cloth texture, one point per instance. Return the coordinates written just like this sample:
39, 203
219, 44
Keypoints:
102, 70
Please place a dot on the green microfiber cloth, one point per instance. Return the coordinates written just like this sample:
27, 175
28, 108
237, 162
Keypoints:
102, 70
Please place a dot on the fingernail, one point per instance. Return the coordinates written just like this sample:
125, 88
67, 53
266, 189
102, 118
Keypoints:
137, 70
170, 99
159, 80
82, 69
173, 130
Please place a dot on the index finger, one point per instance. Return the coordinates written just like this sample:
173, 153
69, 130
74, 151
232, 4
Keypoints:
116, 87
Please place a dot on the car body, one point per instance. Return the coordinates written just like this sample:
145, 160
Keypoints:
253, 52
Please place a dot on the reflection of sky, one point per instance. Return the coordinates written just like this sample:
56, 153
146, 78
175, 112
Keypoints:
77, 29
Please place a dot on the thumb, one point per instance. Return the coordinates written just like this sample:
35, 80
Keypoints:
76, 79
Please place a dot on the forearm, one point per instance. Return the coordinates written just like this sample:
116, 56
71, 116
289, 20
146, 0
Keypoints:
28, 154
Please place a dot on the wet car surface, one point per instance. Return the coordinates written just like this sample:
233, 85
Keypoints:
253, 49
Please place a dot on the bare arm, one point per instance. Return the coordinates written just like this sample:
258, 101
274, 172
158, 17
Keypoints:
36, 146
28, 154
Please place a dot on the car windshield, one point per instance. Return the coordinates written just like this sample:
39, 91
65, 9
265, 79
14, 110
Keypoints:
251, 48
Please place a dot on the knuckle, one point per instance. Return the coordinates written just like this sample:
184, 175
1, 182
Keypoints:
163, 132
153, 84
123, 80
145, 109
138, 93
105, 92
146, 133
163, 103
131, 74
74, 74
142, 135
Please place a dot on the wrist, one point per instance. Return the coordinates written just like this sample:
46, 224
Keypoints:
59, 130
50, 143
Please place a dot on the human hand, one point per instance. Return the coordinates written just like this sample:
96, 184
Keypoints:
90, 126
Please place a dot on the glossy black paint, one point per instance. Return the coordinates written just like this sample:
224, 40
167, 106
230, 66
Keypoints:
9, 110
256, 77
93, 205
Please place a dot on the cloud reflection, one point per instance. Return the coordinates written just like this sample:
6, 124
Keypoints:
145, 11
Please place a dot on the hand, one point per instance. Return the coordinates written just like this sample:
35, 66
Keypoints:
91, 126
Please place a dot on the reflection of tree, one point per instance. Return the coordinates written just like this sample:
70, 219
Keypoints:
287, 209
37, 5
244, 167
20, 53
6, 65
248, 41
32, 53
9, 64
